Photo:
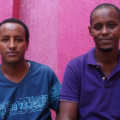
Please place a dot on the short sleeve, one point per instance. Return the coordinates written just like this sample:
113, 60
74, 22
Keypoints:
70, 90
54, 92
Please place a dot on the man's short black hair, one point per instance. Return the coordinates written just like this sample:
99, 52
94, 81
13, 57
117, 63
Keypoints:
105, 5
14, 20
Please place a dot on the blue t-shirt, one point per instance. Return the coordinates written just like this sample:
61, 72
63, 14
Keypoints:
32, 98
85, 83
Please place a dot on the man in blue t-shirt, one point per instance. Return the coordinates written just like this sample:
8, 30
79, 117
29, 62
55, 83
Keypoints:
91, 83
27, 89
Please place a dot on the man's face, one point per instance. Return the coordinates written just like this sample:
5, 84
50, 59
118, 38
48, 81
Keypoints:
12, 42
105, 29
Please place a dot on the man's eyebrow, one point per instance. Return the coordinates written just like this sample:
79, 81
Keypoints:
97, 24
111, 21
14, 36
18, 36
5, 36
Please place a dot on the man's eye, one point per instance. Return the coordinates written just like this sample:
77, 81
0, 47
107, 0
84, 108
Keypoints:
18, 40
111, 25
97, 27
5, 40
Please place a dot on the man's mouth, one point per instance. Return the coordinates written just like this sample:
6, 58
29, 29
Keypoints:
12, 53
105, 40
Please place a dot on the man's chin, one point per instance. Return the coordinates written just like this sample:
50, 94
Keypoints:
106, 49
12, 62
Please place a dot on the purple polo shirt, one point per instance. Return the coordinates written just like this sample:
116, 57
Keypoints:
85, 83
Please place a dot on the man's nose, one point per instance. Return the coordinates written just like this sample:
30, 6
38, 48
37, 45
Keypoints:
105, 30
12, 44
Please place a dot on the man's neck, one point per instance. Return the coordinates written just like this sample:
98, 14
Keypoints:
15, 72
107, 61
106, 57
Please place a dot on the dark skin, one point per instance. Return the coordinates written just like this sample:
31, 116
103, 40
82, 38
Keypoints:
105, 30
68, 110
15, 73
107, 67
13, 46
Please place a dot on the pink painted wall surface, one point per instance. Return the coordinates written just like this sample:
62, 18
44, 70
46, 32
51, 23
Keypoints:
16, 8
6, 9
58, 28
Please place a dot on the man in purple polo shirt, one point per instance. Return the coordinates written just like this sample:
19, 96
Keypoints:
91, 83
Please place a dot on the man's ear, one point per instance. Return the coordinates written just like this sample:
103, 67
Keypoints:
90, 31
27, 44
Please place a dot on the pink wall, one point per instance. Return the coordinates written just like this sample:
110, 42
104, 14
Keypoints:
6, 9
16, 8
58, 28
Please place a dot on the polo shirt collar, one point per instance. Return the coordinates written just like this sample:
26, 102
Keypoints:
91, 58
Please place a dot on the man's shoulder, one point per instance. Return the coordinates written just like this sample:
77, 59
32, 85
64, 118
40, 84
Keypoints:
82, 59
78, 58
